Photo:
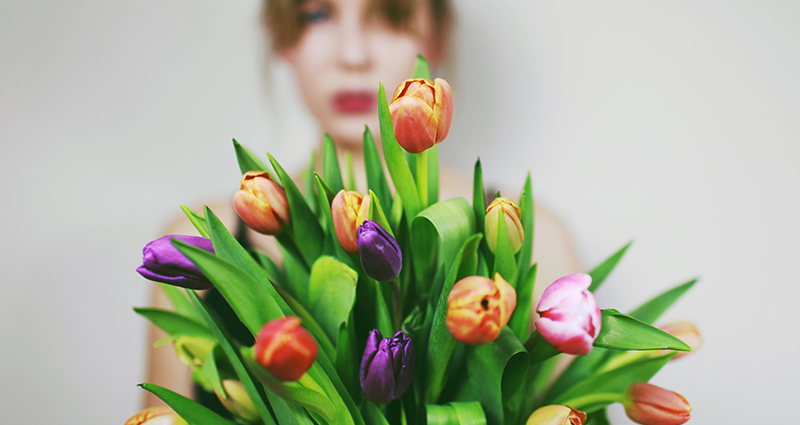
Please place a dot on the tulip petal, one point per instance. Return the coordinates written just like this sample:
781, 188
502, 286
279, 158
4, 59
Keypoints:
565, 336
256, 214
442, 108
414, 124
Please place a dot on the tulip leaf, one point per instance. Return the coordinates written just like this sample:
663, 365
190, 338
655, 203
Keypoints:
372, 414
330, 165
270, 268
347, 358
247, 161
436, 237
189, 410
622, 332
376, 179
308, 182
520, 321
306, 229
580, 368
197, 220
495, 372
179, 301
504, 262
433, 175
377, 215
598, 417
650, 311
525, 255
395, 161
234, 358
252, 304
479, 203
174, 323
351, 172
421, 68
601, 272
331, 292
441, 343
615, 381
211, 369
456, 413
296, 274
308, 321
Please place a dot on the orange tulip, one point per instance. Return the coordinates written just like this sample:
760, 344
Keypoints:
421, 111
508, 209
285, 348
161, 415
556, 415
478, 308
349, 209
648, 404
262, 204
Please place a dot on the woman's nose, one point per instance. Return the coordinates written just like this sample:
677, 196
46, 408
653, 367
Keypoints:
353, 46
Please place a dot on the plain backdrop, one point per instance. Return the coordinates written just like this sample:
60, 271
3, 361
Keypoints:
675, 124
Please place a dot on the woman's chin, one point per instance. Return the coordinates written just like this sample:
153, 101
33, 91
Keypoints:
348, 130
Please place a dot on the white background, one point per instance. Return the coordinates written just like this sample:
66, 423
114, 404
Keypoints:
676, 124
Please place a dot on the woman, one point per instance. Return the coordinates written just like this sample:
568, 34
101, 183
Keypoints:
339, 50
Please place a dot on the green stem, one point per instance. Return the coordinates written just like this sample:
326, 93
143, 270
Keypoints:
582, 402
397, 304
422, 177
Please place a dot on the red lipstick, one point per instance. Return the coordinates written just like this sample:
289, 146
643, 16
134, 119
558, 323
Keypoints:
354, 101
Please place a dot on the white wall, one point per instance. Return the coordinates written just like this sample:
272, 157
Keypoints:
671, 123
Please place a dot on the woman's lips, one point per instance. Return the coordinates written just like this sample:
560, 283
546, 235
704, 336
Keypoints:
354, 102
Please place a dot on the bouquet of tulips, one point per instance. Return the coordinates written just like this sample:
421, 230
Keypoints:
391, 307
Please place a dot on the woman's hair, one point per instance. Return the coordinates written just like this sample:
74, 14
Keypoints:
286, 22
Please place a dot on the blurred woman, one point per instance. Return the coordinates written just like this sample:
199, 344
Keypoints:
339, 50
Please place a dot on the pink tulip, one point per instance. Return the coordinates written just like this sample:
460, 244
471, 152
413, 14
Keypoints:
569, 316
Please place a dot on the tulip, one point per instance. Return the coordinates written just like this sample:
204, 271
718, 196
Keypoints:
237, 401
478, 308
648, 404
387, 366
686, 332
510, 212
380, 253
192, 350
556, 415
285, 348
421, 111
569, 316
262, 204
349, 209
161, 415
163, 262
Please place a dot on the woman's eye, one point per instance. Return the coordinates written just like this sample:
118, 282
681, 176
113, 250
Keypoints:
317, 15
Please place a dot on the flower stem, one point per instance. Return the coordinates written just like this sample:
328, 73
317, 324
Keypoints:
422, 177
397, 304
581, 402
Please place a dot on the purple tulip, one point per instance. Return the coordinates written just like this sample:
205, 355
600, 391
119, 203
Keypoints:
380, 253
163, 262
387, 366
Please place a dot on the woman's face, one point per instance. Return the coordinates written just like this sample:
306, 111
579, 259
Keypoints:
344, 51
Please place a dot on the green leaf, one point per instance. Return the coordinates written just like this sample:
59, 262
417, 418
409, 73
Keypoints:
495, 372
332, 292
598, 417
252, 305
478, 197
197, 220
623, 332
351, 172
441, 342
331, 241
456, 413
179, 301
309, 322
437, 235
421, 68
504, 261
211, 369
376, 179
615, 381
650, 311
174, 323
520, 321
247, 161
433, 175
601, 272
395, 161
525, 255
372, 415
307, 230
377, 215
191, 411
233, 357
308, 182
330, 165
347, 359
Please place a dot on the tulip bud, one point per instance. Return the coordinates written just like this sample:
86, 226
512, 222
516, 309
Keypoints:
569, 316
686, 332
192, 350
285, 348
648, 404
387, 366
262, 204
163, 262
556, 415
421, 111
510, 212
349, 209
478, 308
161, 415
380, 253
238, 402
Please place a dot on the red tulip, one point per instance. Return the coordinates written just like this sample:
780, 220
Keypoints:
421, 111
285, 348
648, 404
